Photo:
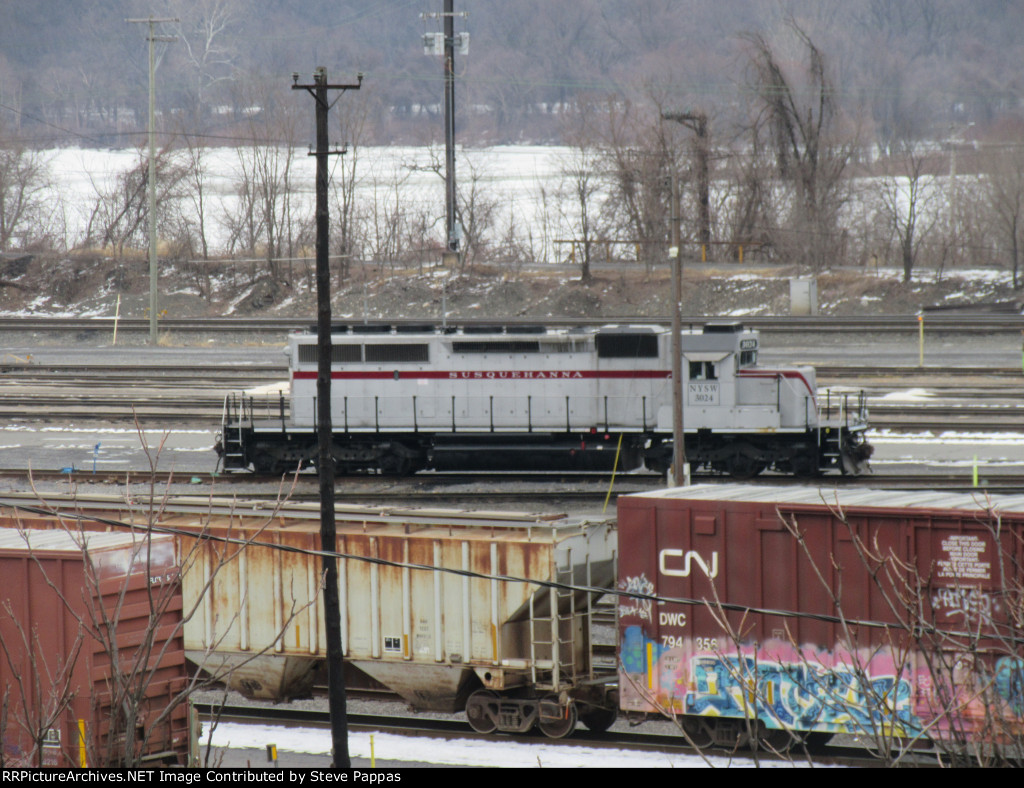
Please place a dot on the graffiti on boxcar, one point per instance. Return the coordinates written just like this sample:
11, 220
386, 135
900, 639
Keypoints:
641, 608
800, 695
1009, 682
782, 686
969, 603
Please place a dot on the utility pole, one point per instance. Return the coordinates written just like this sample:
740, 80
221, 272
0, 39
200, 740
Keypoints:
336, 700
698, 123
449, 125
152, 38
451, 41
680, 468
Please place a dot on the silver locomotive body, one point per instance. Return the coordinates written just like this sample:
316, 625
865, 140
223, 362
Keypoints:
408, 398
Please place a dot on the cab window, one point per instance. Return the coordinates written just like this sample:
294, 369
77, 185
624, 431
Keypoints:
703, 370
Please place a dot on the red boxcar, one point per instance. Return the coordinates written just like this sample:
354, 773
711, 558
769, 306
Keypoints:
882, 614
62, 709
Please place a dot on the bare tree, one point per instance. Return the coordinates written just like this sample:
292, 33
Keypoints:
41, 689
581, 183
194, 181
208, 32
353, 116
638, 159
477, 210
797, 120
265, 218
908, 198
1003, 189
25, 193
119, 211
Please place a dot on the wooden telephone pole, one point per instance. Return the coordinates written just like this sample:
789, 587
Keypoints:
325, 462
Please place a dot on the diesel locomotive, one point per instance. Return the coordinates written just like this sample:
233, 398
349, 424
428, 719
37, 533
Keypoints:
411, 397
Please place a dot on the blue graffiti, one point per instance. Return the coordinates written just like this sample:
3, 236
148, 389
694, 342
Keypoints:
1009, 682
799, 695
633, 652
803, 694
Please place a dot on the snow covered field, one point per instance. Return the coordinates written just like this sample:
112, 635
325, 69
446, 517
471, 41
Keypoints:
391, 748
513, 176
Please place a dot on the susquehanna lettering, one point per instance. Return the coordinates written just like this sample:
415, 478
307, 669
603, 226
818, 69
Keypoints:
517, 375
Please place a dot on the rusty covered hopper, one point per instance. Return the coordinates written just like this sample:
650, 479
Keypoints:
435, 601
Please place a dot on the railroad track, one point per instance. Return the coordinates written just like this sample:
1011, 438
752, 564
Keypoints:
660, 737
491, 490
886, 324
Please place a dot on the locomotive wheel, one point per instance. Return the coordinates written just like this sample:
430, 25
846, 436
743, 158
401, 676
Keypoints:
804, 467
560, 726
743, 467
481, 711
394, 464
264, 463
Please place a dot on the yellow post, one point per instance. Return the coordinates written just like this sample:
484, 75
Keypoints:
921, 340
615, 467
741, 253
83, 758
703, 253
117, 316
974, 475
373, 758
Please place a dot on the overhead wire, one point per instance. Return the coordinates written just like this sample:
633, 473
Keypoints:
916, 628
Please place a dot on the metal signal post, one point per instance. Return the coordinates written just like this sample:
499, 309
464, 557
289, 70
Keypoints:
153, 38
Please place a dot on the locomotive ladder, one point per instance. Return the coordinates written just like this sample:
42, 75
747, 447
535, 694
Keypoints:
546, 631
232, 420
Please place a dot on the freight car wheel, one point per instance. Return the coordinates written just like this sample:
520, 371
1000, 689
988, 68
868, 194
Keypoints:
774, 740
482, 711
555, 720
599, 719
696, 732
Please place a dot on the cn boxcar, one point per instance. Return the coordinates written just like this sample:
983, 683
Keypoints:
750, 610
59, 705
405, 398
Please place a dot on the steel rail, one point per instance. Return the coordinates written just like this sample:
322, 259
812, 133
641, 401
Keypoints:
960, 323
430, 488
457, 727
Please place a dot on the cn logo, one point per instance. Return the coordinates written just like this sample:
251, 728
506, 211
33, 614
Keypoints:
689, 558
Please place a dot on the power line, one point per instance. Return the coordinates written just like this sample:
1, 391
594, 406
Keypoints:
916, 628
